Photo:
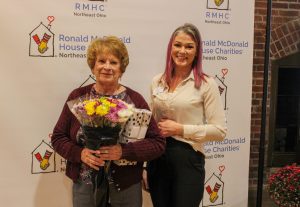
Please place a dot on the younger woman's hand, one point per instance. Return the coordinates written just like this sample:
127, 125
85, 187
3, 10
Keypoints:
169, 128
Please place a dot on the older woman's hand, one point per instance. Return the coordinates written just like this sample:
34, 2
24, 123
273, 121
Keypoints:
92, 158
169, 128
113, 152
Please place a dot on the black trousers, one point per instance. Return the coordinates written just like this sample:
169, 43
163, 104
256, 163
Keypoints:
176, 179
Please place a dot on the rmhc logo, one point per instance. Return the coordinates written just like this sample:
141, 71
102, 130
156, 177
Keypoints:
214, 190
41, 42
218, 4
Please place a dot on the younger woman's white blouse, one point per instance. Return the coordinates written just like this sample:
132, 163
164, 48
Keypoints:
200, 111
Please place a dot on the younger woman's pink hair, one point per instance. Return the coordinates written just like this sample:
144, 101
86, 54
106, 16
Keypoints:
191, 30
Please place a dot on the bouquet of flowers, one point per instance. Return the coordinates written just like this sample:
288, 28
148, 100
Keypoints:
284, 186
102, 119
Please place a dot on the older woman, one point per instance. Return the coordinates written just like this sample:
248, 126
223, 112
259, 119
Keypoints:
107, 58
187, 105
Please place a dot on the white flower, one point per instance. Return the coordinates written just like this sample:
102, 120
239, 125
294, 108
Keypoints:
125, 113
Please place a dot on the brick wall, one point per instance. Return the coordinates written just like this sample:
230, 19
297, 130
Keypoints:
285, 40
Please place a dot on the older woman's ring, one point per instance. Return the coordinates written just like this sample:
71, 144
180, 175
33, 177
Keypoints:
105, 151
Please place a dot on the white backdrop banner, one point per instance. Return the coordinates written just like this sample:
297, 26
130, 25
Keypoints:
43, 57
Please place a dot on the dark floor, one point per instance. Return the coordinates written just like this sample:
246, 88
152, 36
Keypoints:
266, 201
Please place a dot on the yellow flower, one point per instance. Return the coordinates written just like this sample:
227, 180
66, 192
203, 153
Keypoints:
107, 103
102, 110
113, 105
90, 107
104, 101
